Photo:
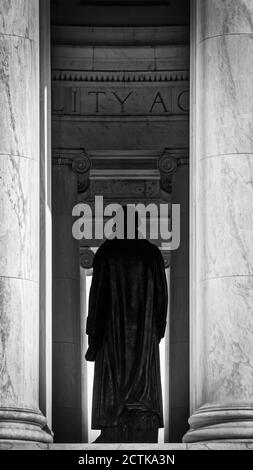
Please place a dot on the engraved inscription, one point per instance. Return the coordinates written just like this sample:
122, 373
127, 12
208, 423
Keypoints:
110, 101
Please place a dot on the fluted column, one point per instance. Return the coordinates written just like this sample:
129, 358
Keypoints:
20, 417
222, 221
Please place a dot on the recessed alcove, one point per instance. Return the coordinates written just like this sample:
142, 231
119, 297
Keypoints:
120, 100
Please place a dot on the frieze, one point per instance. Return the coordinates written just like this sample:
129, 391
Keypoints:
109, 100
125, 188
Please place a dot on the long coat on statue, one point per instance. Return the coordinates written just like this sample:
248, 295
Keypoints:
126, 321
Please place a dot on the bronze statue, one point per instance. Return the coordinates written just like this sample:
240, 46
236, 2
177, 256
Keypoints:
126, 321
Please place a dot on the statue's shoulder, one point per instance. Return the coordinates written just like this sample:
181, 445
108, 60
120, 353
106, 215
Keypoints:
103, 251
154, 253
151, 247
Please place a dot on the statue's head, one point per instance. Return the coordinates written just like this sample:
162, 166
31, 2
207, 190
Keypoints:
128, 217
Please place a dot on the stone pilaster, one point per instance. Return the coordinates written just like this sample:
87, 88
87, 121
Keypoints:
20, 417
174, 167
69, 173
86, 265
222, 221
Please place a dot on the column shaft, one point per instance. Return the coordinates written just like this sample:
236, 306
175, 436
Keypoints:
45, 215
222, 221
20, 417
67, 423
179, 314
84, 347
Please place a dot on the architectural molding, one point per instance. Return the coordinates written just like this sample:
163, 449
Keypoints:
120, 77
125, 188
171, 159
168, 164
121, 59
85, 35
80, 163
24, 425
77, 158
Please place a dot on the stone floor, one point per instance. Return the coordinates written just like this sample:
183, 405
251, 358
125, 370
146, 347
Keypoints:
247, 445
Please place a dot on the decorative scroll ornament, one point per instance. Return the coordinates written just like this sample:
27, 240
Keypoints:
87, 257
166, 258
81, 165
167, 164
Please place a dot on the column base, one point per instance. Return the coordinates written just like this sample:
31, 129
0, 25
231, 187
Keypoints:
24, 425
218, 424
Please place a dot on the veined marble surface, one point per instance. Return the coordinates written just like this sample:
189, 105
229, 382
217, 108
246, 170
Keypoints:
19, 18
222, 318
226, 347
224, 120
247, 445
19, 217
225, 17
19, 346
18, 97
226, 216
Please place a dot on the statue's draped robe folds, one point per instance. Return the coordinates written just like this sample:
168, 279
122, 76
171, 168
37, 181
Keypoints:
126, 321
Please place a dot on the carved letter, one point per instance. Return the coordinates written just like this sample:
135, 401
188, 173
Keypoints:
57, 98
122, 102
74, 100
182, 100
97, 93
158, 100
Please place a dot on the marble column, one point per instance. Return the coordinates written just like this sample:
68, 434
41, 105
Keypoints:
45, 215
20, 417
221, 221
